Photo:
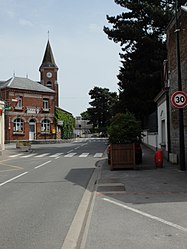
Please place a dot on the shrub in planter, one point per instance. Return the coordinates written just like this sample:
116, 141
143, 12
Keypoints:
124, 131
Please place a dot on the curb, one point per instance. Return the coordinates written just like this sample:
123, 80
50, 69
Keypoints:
76, 235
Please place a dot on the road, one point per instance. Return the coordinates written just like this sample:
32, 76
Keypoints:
40, 192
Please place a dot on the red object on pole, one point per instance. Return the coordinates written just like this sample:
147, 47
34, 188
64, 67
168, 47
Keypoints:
159, 159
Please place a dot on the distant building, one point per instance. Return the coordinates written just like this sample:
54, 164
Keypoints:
82, 127
30, 106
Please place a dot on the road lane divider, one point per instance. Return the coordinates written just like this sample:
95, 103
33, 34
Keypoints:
39, 166
12, 179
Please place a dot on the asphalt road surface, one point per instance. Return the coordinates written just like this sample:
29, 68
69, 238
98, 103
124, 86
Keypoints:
40, 192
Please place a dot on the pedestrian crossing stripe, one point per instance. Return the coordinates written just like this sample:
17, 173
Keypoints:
27, 156
56, 155
16, 155
98, 155
83, 155
42, 155
70, 155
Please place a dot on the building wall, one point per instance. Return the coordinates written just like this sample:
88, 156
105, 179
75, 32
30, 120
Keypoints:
31, 111
173, 79
162, 126
2, 129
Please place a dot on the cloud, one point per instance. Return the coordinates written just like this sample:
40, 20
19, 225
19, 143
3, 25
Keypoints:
11, 14
25, 22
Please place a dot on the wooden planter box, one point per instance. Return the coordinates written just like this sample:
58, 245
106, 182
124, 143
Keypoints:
122, 156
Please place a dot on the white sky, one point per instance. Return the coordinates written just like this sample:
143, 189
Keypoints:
82, 51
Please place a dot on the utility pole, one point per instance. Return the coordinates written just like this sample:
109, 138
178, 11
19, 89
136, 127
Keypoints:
181, 117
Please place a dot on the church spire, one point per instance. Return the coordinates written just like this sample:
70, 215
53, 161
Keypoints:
48, 59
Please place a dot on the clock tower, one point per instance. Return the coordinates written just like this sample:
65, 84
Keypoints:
48, 71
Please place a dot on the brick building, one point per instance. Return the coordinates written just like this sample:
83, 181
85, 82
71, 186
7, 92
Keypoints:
168, 115
30, 105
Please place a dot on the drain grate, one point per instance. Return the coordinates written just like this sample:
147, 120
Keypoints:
110, 187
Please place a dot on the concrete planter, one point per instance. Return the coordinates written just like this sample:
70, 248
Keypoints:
23, 145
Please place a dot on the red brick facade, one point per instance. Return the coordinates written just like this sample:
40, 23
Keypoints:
33, 113
30, 113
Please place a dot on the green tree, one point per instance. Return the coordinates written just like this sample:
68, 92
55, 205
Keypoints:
85, 115
102, 107
140, 31
68, 122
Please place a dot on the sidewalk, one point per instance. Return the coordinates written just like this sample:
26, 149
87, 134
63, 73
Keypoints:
8, 149
139, 209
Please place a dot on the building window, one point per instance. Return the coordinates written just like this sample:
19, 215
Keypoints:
18, 125
46, 105
19, 104
45, 127
49, 84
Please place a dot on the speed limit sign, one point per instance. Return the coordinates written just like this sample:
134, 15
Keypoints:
179, 99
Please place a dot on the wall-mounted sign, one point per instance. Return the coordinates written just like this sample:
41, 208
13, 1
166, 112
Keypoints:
60, 122
179, 99
33, 110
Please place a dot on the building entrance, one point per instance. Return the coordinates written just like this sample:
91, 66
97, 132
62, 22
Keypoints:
32, 130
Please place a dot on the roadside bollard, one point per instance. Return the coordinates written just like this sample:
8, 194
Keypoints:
159, 159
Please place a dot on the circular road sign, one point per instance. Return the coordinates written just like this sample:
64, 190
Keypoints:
179, 99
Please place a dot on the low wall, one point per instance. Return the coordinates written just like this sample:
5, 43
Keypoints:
150, 139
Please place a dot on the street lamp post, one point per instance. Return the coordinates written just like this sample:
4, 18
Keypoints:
181, 118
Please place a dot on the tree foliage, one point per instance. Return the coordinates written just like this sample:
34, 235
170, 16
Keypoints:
85, 115
102, 107
68, 123
124, 128
140, 31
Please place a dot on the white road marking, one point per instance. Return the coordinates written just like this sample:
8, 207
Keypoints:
39, 166
70, 155
98, 155
84, 155
184, 229
10, 180
16, 155
42, 155
28, 155
56, 155
69, 151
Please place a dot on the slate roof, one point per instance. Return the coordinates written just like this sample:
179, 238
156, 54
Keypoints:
24, 84
48, 60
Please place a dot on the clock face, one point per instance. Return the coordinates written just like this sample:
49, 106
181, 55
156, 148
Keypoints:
49, 74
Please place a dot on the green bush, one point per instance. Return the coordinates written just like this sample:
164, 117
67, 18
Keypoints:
124, 128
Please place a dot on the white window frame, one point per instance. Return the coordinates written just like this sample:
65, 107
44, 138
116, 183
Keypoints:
19, 104
18, 125
45, 125
46, 103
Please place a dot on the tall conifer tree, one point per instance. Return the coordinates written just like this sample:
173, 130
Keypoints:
140, 30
